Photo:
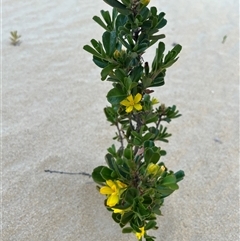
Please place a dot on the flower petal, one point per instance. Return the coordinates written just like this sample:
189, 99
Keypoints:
106, 190
110, 183
139, 235
137, 98
112, 200
130, 98
137, 106
120, 184
115, 210
125, 102
129, 109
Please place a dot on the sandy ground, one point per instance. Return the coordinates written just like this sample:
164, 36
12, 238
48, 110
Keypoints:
52, 119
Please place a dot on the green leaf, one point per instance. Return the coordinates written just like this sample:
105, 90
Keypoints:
137, 140
149, 144
116, 217
106, 17
106, 173
142, 48
110, 161
153, 11
136, 73
120, 21
116, 95
114, 14
169, 180
119, 6
114, 175
100, 22
143, 211
92, 51
173, 186
148, 136
150, 224
163, 134
124, 42
163, 153
128, 153
135, 226
107, 70
126, 217
162, 23
147, 24
127, 230
96, 45
151, 157
164, 191
150, 118
130, 40
158, 82
120, 74
122, 206
109, 42
170, 58
139, 222
157, 37
126, 2
136, 135
130, 195
161, 16
112, 150
144, 13
160, 51
110, 114
179, 175
156, 64
154, 132
100, 62
169, 63
97, 177
156, 210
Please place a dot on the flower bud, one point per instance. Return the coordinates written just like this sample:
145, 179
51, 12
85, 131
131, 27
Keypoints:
155, 170
161, 170
154, 101
152, 169
116, 54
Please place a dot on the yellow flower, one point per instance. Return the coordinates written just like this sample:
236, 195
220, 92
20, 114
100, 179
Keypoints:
113, 190
145, 2
132, 103
139, 235
154, 101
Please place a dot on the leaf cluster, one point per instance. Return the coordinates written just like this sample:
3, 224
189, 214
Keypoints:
146, 191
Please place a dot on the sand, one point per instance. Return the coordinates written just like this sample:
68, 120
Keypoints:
52, 101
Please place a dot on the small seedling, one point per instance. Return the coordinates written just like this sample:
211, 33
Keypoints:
224, 39
15, 38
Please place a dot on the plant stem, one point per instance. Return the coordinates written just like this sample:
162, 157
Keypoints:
159, 120
120, 136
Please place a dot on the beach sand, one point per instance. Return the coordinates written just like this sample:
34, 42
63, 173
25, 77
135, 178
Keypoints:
52, 110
